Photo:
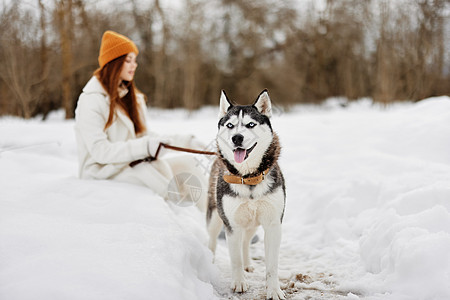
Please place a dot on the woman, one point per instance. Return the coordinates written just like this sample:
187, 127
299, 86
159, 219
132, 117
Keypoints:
111, 126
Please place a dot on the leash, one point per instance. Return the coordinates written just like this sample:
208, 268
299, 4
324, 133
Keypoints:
234, 179
175, 148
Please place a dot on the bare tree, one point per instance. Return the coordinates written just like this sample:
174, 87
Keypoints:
44, 98
349, 48
65, 25
20, 69
160, 67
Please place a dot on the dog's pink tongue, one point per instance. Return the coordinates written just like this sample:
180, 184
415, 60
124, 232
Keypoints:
239, 155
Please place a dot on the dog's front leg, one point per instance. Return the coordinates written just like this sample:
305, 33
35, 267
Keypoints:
234, 240
247, 237
272, 240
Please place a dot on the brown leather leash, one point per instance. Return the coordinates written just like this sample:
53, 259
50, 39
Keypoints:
152, 158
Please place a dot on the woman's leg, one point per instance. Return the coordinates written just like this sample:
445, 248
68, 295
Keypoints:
183, 179
155, 175
191, 179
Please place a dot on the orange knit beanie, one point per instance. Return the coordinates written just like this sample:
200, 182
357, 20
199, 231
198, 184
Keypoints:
113, 46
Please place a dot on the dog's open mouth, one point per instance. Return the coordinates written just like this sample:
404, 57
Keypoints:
241, 154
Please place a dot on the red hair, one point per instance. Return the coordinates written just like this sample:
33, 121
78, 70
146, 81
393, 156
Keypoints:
109, 77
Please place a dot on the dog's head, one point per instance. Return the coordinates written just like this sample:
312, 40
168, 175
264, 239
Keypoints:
245, 132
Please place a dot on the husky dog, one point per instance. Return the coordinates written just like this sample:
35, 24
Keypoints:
246, 189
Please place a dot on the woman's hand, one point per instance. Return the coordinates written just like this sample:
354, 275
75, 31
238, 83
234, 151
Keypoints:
154, 143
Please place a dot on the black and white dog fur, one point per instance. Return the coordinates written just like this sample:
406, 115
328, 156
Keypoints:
247, 146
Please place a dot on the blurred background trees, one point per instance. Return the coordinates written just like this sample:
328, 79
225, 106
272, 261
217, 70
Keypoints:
302, 51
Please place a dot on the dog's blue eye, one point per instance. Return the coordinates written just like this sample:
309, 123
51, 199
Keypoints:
229, 125
251, 125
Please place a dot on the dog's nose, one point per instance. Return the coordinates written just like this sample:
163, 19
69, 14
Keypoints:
237, 139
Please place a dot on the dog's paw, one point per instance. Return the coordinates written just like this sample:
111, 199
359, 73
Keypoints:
275, 294
249, 269
239, 286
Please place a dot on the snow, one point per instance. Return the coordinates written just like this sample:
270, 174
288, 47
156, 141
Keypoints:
367, 213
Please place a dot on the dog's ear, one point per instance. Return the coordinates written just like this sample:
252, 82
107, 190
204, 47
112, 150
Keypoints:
263, 104
225, 104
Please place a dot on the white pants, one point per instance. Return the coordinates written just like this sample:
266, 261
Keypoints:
171, 177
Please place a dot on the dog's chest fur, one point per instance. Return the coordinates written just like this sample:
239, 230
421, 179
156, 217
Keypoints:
249, 206
252, 207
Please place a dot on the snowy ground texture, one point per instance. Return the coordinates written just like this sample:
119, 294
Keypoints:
367, 216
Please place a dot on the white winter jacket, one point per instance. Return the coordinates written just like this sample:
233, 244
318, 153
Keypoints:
103, 154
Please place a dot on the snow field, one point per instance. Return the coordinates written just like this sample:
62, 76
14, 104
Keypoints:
367, 215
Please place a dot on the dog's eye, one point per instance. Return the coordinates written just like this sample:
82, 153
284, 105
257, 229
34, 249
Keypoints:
250, 125
229, 125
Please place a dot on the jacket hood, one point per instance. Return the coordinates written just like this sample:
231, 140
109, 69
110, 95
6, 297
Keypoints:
94, 87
